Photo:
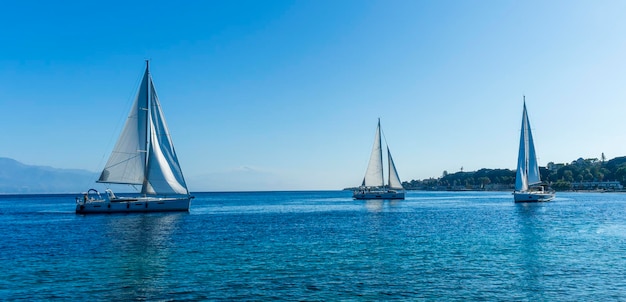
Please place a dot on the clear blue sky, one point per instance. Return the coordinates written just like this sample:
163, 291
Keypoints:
271, 95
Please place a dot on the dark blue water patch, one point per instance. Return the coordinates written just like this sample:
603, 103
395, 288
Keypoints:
318, 246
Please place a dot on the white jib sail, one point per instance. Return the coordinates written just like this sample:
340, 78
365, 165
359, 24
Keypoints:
394, 179
533, 176
164, 173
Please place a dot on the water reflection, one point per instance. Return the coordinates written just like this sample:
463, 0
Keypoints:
378, 205
374, 205
140, 248
531, 248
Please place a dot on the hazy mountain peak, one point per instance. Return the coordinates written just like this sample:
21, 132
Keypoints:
20, 178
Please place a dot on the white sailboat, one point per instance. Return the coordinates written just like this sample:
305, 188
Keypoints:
143, 155
373, 185
528, 186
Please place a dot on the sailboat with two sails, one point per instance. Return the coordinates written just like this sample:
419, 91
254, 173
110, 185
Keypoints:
143, 156
528, 185
373, 185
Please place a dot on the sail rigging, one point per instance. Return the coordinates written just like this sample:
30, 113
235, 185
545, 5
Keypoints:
144, 153
527, 176
374, 175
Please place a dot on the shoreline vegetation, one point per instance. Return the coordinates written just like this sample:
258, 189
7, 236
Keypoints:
584, 175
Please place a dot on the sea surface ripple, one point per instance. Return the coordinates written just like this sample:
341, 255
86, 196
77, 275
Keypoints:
319, 246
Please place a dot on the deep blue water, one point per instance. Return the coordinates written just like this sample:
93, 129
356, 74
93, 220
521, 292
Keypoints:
319, 246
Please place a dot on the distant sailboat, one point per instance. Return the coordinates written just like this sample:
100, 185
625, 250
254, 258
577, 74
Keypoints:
527, 180
143, 155
373, 185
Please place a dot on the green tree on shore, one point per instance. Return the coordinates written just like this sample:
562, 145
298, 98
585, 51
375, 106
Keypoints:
559, 176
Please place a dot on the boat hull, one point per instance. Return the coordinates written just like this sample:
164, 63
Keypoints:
134, 205
533, 196
378, 195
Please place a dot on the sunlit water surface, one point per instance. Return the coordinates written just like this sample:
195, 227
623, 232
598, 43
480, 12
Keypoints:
319, 246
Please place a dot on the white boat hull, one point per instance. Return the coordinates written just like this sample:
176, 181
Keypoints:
378, 195
134, 205
533, 196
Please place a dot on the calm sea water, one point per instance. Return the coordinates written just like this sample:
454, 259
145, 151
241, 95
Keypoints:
319, 246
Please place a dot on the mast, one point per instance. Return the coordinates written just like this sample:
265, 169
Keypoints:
380, 153
148, 130
521, 178
525, 129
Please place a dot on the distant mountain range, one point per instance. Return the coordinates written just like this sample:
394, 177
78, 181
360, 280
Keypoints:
19, 178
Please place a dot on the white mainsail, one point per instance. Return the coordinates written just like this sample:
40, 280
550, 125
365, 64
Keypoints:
374, 172
127, 162
527, 166
144, 154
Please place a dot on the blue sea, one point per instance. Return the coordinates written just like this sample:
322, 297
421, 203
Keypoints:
319, 246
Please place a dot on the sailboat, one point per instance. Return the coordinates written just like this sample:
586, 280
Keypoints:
528, 186
373, 185
143, 156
